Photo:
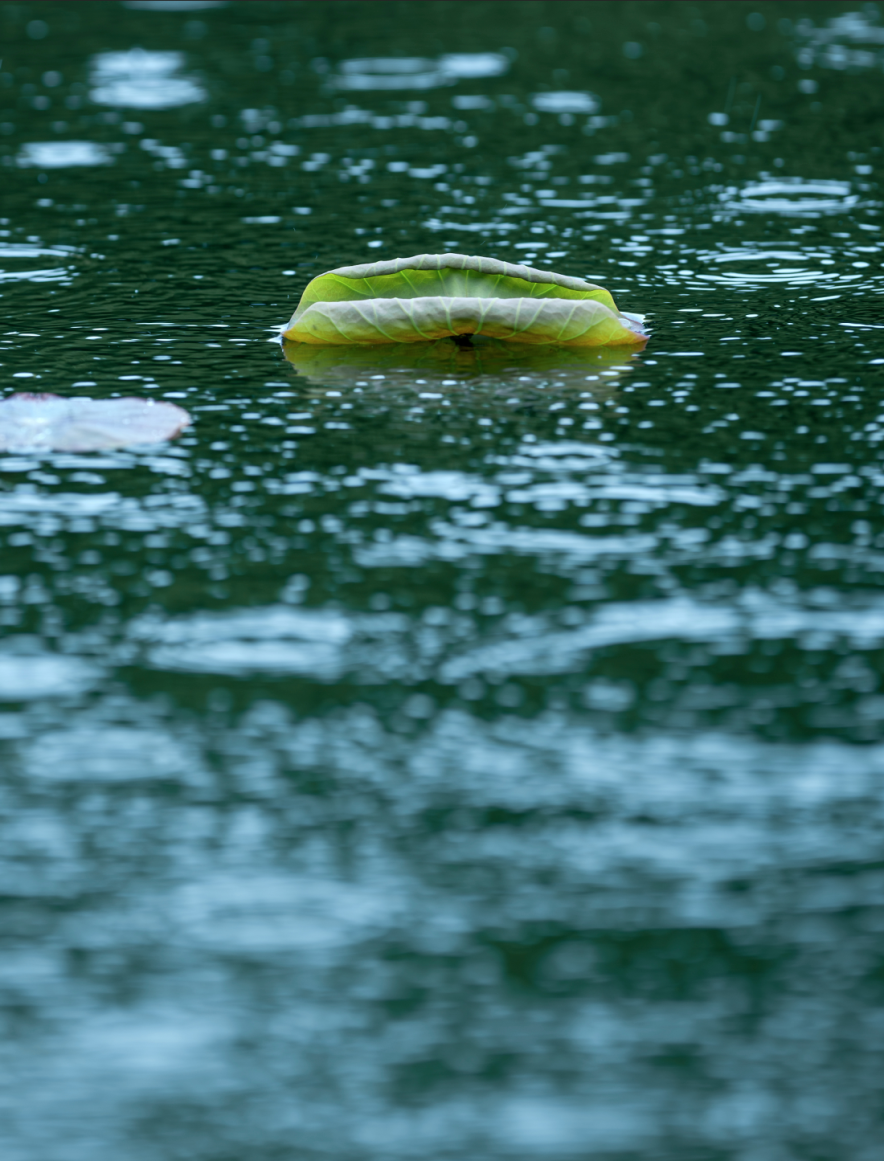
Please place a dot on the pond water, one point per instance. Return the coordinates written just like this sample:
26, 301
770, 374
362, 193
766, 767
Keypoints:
433, 753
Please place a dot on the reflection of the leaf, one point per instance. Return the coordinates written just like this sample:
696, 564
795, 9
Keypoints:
445, 364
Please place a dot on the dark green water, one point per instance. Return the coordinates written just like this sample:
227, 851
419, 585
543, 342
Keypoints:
441, 755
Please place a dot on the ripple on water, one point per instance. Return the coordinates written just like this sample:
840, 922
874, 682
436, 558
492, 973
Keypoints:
15, 255
755, 267
793, 196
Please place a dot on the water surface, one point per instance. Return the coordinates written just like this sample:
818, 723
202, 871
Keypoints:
434, 753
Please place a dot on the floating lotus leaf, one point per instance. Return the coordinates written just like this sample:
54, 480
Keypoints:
435, 296
40, 423
442, 365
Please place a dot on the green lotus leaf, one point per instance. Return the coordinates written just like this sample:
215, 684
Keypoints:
436, 296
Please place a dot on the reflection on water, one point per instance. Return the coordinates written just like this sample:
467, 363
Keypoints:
437, 752
58, 154
565, 102
26, 674
445, 364
139, 79
399, 72
825, 45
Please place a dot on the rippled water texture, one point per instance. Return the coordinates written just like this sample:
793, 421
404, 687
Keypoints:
442, 753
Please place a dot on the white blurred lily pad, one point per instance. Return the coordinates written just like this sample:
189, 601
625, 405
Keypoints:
40, 423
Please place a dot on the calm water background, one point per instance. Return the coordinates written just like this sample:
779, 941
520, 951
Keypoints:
436, 755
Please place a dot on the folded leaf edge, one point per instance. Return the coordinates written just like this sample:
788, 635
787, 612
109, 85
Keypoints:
431, 296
